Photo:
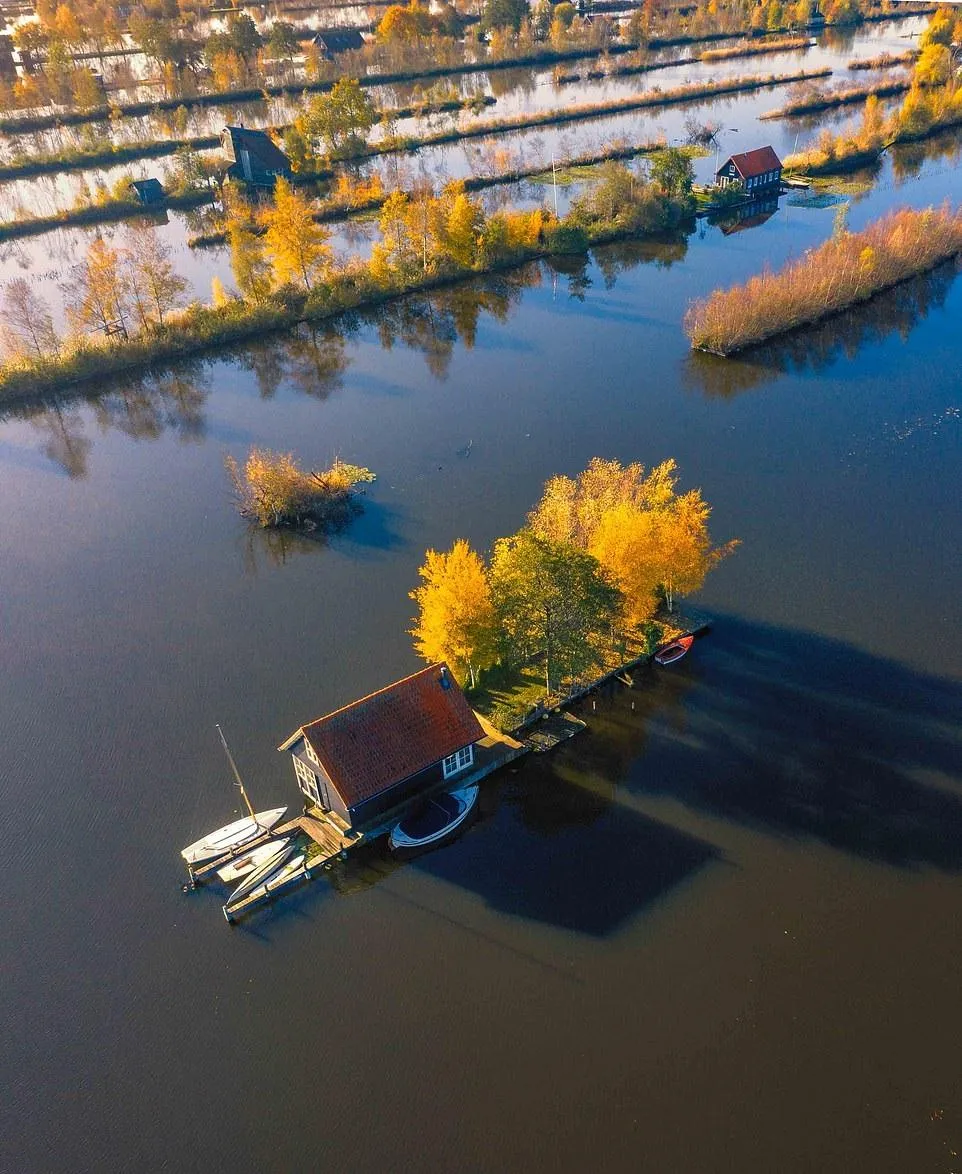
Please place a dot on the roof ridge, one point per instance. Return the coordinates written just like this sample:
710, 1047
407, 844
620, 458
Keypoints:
376, 693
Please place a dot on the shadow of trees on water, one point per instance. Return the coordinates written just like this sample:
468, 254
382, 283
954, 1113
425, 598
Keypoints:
781, 732
804, 736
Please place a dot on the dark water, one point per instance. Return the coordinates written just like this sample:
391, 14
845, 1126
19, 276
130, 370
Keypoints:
718, 932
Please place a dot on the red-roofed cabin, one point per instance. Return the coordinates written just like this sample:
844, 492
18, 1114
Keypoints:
389, 747
756, 171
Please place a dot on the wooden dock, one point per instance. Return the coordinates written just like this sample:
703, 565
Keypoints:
552, 730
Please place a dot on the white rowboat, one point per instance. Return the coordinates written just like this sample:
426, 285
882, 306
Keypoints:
435, 821
244, 865
232, 836
285, 873
282, 849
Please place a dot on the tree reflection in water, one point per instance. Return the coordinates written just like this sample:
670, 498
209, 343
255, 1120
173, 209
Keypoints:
815, 348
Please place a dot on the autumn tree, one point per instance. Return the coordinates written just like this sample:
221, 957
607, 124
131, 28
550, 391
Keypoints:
553, 600
651, 541
26, 324
456, 620
295, 243
393, 222
96, 294
406, 24
155, 287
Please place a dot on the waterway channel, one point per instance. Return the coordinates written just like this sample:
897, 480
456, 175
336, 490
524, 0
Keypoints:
716, 932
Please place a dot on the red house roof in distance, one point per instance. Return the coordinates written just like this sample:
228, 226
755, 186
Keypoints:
390, 735
757, 162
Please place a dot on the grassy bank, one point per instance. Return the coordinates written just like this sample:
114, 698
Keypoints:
108, 212
505, 240
80, 158
845, 271
332, 212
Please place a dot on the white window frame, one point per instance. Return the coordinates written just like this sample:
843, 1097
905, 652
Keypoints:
309, 750
307, 781
458, 761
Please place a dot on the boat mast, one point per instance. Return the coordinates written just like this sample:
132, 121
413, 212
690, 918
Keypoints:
233, 766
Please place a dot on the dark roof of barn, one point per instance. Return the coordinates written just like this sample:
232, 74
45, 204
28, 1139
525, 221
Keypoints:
339, 40
259, 145
757, 162
388, 736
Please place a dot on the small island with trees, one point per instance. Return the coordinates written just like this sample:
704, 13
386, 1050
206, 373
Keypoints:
273, 491
587, 586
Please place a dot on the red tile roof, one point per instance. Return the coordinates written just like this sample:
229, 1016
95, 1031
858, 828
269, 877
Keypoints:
756, 162
390, 735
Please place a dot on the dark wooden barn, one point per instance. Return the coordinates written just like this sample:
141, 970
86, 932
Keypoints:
334, 41
756, 171
255, 158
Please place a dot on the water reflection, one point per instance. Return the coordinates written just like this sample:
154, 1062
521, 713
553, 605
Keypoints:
814, 348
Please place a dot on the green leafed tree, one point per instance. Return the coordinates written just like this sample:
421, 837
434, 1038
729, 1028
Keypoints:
552, 600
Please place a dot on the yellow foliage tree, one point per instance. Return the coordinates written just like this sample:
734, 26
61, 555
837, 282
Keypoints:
456, 620
296, 244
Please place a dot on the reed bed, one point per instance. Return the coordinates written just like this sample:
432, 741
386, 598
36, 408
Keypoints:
884, 60
780, 45
848, 269
817, 100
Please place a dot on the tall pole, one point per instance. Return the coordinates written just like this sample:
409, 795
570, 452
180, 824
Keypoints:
233, 766
554, 186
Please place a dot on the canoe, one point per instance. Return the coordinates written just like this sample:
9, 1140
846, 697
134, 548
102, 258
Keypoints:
274, 881
434, 822
282, 850
674, 651
232, 836
242, 866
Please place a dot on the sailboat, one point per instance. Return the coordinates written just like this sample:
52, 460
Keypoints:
233, 836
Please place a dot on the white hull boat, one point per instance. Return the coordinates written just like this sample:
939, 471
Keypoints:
274, 881
242, 866
435, 822
282, 850
231, 837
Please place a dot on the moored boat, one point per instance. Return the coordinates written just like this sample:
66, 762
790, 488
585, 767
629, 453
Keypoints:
674, 651
282, 849
269, 883
232, 836
244, 865
435, 822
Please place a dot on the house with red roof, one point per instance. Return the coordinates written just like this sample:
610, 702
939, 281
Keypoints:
377, 753
756, 171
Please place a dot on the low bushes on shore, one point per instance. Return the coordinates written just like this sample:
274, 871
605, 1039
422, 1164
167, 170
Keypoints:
848, 269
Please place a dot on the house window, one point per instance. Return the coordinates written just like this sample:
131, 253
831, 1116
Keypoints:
458, 761
310, 752
307, 781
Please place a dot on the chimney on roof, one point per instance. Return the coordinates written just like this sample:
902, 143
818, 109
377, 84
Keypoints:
444, 680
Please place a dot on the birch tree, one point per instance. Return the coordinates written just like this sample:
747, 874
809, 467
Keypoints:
456, 619
27, 326
295, 243
155, 287
96, 294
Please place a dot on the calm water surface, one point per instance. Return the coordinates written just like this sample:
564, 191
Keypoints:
715, 933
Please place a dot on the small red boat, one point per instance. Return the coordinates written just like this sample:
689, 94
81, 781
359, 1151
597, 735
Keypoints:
674, 651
